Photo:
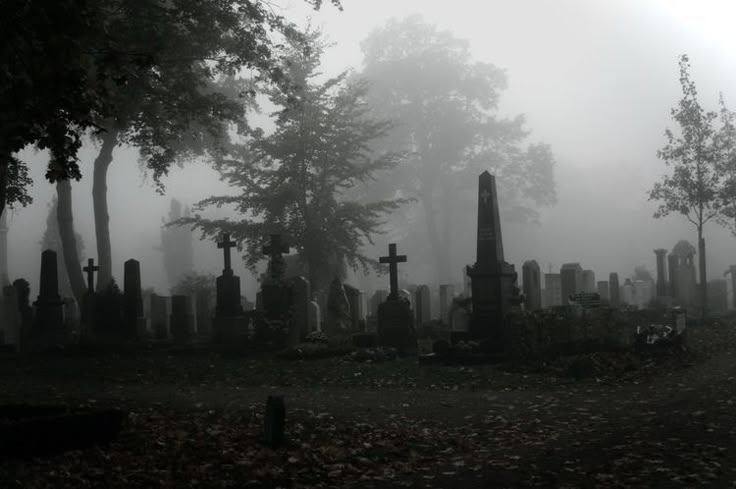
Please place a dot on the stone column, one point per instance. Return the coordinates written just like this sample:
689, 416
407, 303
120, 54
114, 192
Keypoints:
661, 272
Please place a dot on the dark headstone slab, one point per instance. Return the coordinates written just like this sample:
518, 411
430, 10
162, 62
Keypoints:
160, 311
133, 300
422, 305
532, 282
228, 295
396, 326
48, 327
274, 421
204, 315
33, 431
182, 322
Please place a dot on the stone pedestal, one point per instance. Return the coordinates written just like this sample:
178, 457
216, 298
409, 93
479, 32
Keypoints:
396, 326
228, 295
231, 333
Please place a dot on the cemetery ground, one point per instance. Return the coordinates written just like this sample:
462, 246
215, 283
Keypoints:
195, 419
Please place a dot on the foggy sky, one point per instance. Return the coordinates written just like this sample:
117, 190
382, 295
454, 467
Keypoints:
595, 79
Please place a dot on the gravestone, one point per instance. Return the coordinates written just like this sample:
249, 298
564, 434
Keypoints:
422, 306
571, 278
628, 293
182, 322
338, 317
673, 264
661, 255
23, 295
603, 291
276, 294
230, 325
717, 295
614, 290
376, 299
160, 311
355, 300
395, 318
588, 282
48, 328
447, 293
493, 279
315, 317
532, 285
203, 314
135, 322
88, 301
301, 296
553, 289
227, 285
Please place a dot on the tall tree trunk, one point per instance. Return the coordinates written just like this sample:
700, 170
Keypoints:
703, 278
99, 201
65, 218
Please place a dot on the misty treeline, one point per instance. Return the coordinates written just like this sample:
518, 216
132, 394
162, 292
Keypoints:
397, 144
701, 157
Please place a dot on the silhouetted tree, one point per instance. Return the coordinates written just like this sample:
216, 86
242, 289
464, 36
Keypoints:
445, 106
694, 189
297, 180
51, 240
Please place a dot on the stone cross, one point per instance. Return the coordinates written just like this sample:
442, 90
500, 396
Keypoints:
226, 244
393, 260
91, 268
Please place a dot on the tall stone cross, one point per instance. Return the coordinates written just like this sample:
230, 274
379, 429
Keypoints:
91, 268
393, 270
226, 244
274, 250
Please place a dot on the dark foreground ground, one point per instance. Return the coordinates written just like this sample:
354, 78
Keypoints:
195, 420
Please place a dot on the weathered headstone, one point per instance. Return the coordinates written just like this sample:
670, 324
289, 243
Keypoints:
673, 265
203, 314
301, 296
629, 293
493, 279
422, 306
532, 284
338, 319
181, 320
23, 295
160, 311
717, 295
315, 317
376, 299
571, 277
227, 284
588, 282
48, 329
88, 301
276, 294
614, 288
395, 318
553, 289
661, 255
604, 291
135, 322
355, 301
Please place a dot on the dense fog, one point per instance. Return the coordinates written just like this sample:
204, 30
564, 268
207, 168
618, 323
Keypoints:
594, 80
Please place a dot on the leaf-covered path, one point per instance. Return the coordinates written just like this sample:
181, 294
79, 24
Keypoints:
195, 421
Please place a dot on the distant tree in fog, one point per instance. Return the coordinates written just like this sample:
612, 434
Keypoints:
694, 188
445, 105
726, 140
176, 245
299, 179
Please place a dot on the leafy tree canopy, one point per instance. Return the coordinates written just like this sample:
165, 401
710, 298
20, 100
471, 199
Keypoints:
297, 181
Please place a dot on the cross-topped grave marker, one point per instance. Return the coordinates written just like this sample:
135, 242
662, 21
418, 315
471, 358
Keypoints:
393, 260
226, 244
90, 269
